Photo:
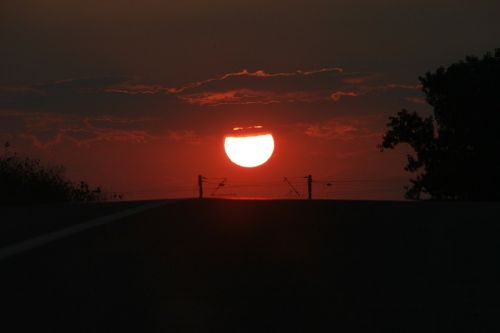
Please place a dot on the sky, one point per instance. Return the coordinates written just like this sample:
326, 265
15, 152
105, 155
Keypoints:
137, 96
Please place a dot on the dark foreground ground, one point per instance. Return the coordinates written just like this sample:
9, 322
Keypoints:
265, 266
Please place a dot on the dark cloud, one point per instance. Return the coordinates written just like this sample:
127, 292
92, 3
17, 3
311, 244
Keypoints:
86, 111
94, 95
45, 130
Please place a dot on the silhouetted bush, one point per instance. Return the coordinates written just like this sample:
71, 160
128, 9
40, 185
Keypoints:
25, 180
457, 149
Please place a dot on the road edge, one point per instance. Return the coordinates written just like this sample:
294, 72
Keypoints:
29, 244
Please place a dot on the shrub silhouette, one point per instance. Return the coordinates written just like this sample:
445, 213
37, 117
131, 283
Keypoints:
25, 180
456, 149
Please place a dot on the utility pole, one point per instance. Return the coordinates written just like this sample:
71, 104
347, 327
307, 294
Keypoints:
309, 186
200, 186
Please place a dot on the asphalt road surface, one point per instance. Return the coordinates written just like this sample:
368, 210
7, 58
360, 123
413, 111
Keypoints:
264, 266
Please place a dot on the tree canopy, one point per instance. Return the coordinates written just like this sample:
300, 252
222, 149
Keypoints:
456, 149
25, 180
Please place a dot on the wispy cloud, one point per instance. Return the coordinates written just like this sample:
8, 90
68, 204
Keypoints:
336, 96
129, 87
345, 128
256, 74
47, 129
185, 136
85, 137
232, 88
329, 131
248, 96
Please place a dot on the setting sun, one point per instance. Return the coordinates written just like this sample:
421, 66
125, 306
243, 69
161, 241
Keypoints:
249, 151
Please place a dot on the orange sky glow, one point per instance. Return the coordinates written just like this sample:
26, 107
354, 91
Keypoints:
139, 98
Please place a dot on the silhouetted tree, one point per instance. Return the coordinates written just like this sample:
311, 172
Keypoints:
26, 180
457, 149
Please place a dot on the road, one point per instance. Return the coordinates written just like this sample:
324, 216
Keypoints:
265, 266
22, 222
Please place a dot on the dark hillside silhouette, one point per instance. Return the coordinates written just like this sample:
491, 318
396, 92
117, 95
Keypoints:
26, 181
457, 149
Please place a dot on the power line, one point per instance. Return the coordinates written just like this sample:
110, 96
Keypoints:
325, 187
221, 184
291, 186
